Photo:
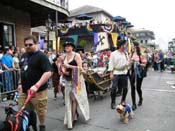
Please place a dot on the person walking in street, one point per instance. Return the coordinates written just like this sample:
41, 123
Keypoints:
155, 59
56, 76
118, 67
35, 72
74, 95
161, 61
136, 74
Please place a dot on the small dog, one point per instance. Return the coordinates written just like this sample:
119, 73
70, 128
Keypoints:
25, 119
125, 112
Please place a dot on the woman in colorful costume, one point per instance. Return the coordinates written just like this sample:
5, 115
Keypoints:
75, 90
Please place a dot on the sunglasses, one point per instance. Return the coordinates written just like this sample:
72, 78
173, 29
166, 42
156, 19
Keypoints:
28, 45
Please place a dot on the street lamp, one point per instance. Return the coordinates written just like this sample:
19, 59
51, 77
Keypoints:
48, 24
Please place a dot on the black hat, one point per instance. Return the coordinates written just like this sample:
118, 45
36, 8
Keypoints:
69, 41
120, 43
136, 43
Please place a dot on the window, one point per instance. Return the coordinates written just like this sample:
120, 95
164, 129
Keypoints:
6, 35
137, 35
142, 34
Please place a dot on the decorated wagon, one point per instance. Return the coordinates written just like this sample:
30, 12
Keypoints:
97, 82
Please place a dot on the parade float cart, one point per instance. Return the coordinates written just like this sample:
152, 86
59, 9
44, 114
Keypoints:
97, 83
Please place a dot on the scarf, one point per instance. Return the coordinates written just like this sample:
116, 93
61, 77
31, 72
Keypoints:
76, 80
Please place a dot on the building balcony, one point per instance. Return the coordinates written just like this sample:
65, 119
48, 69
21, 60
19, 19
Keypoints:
39, 9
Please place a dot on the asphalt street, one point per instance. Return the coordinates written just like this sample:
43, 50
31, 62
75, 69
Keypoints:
156, 114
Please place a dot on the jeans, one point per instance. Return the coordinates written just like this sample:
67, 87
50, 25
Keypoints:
8, 79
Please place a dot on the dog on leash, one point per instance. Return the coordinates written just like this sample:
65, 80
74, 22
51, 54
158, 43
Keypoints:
125, 112
22, 122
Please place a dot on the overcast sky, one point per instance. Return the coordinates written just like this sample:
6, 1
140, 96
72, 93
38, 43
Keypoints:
154, 15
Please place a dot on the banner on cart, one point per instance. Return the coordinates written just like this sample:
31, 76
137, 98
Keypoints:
102, 42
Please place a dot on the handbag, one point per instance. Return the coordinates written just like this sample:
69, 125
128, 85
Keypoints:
143, 71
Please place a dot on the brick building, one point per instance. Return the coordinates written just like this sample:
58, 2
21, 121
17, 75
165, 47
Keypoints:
17, 17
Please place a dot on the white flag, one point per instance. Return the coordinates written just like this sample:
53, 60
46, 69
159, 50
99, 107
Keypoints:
102, 41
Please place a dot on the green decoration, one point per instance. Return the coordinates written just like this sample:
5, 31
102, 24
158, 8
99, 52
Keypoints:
83, 43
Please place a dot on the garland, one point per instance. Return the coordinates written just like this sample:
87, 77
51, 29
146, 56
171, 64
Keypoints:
108, 28
64, 30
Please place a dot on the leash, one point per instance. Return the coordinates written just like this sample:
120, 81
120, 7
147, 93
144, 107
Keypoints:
11, 124
14, 128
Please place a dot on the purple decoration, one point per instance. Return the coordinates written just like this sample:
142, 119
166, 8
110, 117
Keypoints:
95, 39
41, 43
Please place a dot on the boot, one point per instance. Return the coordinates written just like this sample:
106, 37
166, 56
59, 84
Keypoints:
113, 104
118, 94
140, 102
42, 128
134, 107
55, 96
